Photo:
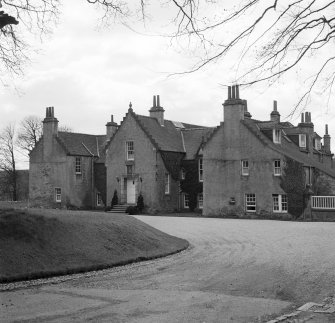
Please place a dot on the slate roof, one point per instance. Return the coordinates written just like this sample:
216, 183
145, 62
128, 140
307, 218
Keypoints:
80, 144
287, 148
193, 139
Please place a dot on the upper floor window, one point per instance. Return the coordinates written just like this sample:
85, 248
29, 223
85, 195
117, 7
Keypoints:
201, 170
167, 183
302, 140
78, 165
276, 136
200, 200
182, 173
130, 150
279, 202
245, 167
58, 194
250, 202
317, 144
277, 167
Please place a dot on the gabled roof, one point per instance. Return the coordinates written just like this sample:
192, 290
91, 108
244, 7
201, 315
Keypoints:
193, 140
287, 148
80, 144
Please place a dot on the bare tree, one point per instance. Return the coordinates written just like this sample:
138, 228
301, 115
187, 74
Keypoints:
7, 158
273, 37
65, 128
29, 133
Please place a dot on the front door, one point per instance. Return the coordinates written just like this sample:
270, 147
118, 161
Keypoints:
130, 191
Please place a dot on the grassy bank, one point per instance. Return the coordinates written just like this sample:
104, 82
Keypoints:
41, 243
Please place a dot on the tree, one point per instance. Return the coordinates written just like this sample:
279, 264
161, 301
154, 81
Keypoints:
267, 38
7, 158
29, 133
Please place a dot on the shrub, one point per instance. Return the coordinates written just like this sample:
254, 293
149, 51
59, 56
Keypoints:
115, 199
140, 203
132, 210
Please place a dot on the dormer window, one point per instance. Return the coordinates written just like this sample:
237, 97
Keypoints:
277, 167
276, 136
317, 144
302, 141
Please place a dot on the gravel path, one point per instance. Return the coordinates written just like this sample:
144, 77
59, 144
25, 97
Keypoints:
234, 271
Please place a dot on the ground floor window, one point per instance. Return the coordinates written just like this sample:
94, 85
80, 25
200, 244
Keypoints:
250, 202
200, 200
186, 201
279, 202
58, 194
99, 199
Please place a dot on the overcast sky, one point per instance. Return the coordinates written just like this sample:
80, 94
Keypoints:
88, 73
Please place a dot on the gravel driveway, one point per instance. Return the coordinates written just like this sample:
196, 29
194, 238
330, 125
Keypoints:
235, 271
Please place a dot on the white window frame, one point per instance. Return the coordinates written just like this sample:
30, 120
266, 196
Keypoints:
182, 174
78, 165
277, 167
186, 201
167, 183
58, 194
317, 144
130, 153
302, 142
276, 135
279, 203
201, 169
250, 202
245, 167
200, 200
99, 199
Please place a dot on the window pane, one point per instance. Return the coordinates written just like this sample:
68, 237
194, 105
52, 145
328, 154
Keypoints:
78, 165
130, 150
200, 170
167, 183
250, 202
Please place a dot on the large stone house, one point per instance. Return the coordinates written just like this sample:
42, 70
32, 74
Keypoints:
146, 155
243, 167
263, 167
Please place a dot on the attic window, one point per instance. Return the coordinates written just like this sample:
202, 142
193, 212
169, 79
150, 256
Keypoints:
201, 170
302, 141
78, 165
276, 136
317, 144
182, 173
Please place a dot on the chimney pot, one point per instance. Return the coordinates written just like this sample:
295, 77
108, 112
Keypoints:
302, 118
274, 105
158, 103
237, 91
229, 92
326, 129
233, 92
306, 117
154, 101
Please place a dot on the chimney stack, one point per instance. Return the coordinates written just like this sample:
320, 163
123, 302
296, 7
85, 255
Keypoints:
157, 111
275, 115
50, 131
111, 128
326, 141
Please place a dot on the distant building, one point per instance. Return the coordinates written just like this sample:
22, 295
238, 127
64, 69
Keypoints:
264, 167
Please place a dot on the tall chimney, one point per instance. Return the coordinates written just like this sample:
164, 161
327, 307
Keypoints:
307, 127
274, 115
157, 111
326, 141
111, 128
50, 131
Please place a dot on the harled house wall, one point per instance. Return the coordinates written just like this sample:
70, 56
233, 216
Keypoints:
148, 169
57, 170
223, 180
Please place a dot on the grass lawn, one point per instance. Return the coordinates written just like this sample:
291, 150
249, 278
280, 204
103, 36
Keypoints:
40, 243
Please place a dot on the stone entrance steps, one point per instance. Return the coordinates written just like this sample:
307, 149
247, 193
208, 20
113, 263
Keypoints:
120, 208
